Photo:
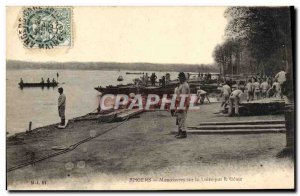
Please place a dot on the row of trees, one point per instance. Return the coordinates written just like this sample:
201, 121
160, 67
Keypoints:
258, 40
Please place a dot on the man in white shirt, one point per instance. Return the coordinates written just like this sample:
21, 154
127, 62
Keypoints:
183, 89
276, 85
201, 94
226, 90
61, 105
264, 88
256, 87
234, 99
250, 90
281, 78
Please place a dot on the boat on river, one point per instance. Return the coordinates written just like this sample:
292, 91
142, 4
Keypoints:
40, 84
158, 90
138, 73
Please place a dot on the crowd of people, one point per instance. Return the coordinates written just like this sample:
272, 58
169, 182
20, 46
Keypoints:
145, 79
48, 80
256, 88
204, 76
153, 79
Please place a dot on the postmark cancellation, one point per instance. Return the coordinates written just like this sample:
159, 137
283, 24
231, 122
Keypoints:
45, 27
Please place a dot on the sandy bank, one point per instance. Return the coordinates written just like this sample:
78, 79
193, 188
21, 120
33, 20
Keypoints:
142, 146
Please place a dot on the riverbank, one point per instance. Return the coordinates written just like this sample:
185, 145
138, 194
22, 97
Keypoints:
143, 147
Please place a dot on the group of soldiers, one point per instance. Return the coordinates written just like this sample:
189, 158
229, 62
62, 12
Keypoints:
48, 80
165, 79
162, 82
256, 88
203, 76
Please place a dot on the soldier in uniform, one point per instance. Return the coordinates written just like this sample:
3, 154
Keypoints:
181, 113
234, 101
61, 105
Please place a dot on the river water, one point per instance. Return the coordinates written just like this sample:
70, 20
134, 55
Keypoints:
39, 105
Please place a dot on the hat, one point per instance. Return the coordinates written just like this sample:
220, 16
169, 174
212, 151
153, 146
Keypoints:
181, 75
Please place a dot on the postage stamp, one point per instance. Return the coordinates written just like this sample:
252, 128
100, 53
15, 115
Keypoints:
46, 27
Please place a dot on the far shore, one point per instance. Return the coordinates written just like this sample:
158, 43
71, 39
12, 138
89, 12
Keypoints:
141, 66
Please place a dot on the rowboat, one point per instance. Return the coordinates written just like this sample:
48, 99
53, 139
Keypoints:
134, 72
42, 85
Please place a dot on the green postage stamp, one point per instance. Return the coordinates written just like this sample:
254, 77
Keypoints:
46, 27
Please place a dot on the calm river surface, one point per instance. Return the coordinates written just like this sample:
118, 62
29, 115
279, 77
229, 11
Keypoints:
40, 105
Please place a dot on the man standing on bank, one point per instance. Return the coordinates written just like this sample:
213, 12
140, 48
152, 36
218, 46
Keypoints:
183, 92
61, 106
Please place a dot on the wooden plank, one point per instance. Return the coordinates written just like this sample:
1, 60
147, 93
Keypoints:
220, 127
97, 116
277, 104
265, 101
128, 114
244, 122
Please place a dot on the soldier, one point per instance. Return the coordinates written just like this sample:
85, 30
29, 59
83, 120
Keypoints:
146, 79
276, 85
61, 105
201, 95
250, 90
153, 79
163, 81
256, 87
264, 88
168, 78
281, 78
208, 76
184, 90
234, 99
226, 90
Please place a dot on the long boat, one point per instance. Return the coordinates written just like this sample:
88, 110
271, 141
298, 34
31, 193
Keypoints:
158, 90
45, 84
134, 72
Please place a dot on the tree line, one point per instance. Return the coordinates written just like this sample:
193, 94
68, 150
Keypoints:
258, 41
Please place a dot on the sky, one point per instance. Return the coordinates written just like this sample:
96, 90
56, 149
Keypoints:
130, 34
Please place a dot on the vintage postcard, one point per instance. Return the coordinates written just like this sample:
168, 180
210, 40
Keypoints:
150, 98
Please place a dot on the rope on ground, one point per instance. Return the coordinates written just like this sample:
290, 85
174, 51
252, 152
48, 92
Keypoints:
70, 148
